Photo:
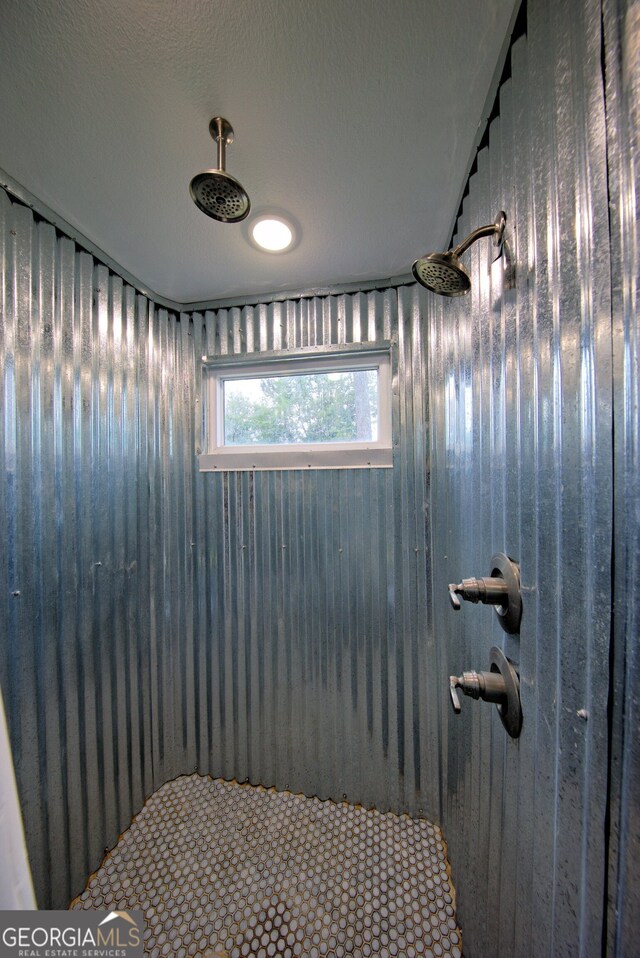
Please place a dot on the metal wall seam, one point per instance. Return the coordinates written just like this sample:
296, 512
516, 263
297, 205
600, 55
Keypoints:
525, 431
621, 23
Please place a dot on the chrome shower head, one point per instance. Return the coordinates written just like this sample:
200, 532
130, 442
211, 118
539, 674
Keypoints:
443, 273
216, 192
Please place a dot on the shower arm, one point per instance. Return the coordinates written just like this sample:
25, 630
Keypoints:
222, 132
495, 229
221, 152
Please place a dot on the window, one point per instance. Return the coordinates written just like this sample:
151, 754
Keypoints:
299, 410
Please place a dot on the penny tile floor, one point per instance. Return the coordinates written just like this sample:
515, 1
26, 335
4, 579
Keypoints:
222, 870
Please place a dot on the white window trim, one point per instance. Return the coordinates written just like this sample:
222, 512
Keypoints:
335, 455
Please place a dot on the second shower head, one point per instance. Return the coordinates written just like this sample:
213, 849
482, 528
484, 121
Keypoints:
443, 273
216, 192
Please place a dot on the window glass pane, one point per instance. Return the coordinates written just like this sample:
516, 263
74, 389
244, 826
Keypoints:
306, 407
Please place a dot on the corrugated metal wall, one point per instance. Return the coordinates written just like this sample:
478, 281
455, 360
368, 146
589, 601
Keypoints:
521, 450
268, 627
96, 606
622, 47
314, 665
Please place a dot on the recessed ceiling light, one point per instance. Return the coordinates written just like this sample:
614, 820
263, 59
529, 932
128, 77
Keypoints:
271, 234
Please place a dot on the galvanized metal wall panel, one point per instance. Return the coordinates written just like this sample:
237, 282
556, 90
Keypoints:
622, 48
312, 587
521, 462
95, 608
268, 626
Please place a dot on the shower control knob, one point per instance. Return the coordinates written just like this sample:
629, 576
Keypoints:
455, 699
488, 591
500, 685
501, 589
488, 686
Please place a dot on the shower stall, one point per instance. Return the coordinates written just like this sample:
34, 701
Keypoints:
292, 630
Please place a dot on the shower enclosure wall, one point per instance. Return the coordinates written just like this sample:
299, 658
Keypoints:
534, 452
293, 629
521, 441
267, 626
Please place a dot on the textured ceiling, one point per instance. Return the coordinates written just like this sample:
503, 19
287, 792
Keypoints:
356, 117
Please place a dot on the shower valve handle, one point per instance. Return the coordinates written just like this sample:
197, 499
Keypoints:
453, 692
500, 589
500, 685
488, 590
488, 686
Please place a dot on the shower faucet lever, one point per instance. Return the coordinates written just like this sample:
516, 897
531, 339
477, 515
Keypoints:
500, 685
488, 590
500, 589
455, 699
489, 686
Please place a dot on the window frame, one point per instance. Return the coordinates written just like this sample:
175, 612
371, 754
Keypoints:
217, 457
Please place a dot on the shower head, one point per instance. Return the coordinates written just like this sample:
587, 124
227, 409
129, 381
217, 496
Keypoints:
443, 273
216, 192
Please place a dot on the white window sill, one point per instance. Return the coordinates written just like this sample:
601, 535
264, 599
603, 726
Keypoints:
299, 458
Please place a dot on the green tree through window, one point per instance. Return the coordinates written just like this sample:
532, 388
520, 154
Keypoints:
307, 408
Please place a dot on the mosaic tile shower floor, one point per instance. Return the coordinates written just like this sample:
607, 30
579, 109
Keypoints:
222, 870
